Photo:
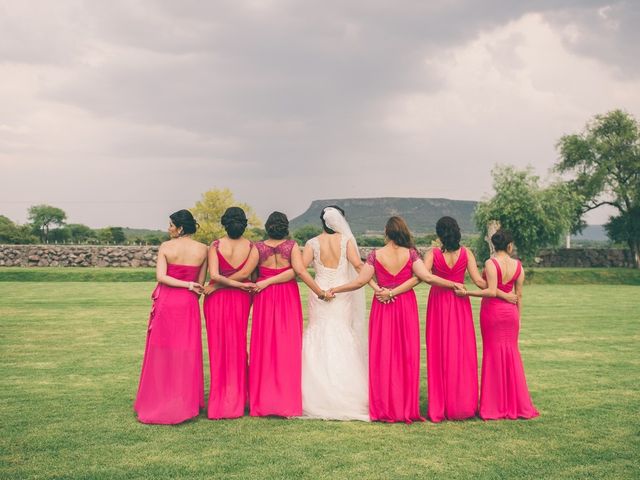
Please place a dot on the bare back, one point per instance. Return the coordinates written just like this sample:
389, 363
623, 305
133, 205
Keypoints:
508, 267
392, 257
184, 251
330, 249
234, 250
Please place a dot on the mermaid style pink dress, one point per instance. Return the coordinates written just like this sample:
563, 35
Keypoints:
452, 362
504, 392
226, 313
171, 388
394, 349
275, 365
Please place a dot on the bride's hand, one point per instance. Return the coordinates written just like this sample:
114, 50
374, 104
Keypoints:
329, 295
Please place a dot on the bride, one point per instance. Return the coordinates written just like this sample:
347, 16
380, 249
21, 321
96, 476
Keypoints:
334, 344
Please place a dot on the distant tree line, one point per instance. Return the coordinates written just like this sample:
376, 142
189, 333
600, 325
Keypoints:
47, 224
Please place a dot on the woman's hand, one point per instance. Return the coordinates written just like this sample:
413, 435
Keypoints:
196, 287
461, 292
259, 286
511, 298
384, 295
209, 289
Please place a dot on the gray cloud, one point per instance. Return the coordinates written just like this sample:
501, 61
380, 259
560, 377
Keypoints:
285, 102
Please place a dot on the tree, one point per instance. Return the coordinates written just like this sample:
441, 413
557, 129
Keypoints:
13, 233
536, 216
605, 162
80, 233
210, 209
117, 235
42, 217
304, 233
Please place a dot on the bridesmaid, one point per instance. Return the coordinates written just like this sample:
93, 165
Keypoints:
504, 392
452, 362
171, 388
276, 327
226, 312
394, 326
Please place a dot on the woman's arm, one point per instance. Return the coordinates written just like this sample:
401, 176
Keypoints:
366, 274
280, 278
388, 294
162, 277
474, 273
299, 263
492, 282
518, 290
422, 270
250, 265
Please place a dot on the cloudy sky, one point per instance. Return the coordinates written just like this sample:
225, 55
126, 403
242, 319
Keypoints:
122, 112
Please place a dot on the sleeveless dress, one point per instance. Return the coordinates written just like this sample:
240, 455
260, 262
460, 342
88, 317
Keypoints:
276, 341
394, 349
226, 312
452, 362
171, 388
504, 392
334, 368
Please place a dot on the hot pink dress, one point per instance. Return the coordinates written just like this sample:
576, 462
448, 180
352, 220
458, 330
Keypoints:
226, 312
394, 349
452, 362
276, 342
504, 392
171, 388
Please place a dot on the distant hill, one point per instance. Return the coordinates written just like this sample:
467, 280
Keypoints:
595, 233
369, 215
130, 233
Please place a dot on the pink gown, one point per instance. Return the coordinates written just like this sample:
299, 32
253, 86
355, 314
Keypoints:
226, 312
275, 366
171, 388
452, 362
394, 349
504, 392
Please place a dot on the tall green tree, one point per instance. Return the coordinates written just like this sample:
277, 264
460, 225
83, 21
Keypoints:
604, 160
13, 233
209, 210
306, 232
537, 216
43, 217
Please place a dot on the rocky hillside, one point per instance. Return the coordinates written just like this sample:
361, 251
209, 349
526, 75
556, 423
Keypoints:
368, 215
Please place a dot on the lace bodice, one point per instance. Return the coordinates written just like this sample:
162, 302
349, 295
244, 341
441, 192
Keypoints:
283, 249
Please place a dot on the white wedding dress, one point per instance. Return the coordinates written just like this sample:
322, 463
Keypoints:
334, 346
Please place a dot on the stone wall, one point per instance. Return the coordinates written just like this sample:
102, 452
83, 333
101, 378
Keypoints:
146, 256
585, 257
77, 256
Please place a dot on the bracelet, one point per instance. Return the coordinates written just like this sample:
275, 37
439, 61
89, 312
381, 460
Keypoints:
390, 294
191, 286
322, 295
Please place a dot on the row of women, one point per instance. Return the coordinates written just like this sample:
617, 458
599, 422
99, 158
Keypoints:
271, 379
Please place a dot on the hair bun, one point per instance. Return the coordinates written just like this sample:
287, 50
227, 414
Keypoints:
277, 225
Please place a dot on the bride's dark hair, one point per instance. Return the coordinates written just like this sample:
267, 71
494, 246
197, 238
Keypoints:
324, 224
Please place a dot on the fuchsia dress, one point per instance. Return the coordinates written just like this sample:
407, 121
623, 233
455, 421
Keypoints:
504, 392
275, 366
394, 349
226, 313
452, 362
171, 388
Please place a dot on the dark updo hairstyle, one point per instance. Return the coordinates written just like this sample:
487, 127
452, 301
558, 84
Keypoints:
324, 224
277, 226
448, 232
501, 240
234, 222
397, 230
184, 219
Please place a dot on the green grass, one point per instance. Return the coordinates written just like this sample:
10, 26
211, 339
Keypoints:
538, 276
70, 361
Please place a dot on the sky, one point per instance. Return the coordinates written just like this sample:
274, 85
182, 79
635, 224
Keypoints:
123, 112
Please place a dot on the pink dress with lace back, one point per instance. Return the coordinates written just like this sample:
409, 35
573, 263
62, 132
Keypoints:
276, 341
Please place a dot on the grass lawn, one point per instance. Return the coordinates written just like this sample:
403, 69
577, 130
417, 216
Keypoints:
70, 361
